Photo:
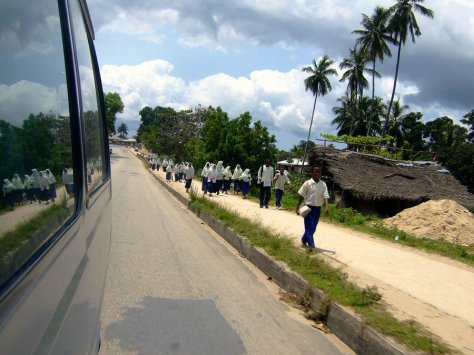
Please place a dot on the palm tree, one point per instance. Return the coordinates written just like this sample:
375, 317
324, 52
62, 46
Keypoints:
319, 84
355, 65
360, 113
402, 24
395, 122
374, 37
377, 111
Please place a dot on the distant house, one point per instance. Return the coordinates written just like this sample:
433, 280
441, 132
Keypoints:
295, 165
371, 183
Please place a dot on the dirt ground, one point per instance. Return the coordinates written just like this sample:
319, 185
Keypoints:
432, 290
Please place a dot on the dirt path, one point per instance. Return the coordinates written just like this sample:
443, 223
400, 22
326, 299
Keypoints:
432, 290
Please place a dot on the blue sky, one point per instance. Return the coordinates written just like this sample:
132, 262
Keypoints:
248, 55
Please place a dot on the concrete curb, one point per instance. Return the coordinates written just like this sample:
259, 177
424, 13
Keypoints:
346, 325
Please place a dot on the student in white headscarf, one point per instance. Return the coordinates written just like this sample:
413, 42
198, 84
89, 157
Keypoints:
211, 179
235, 178
165, 165
246, 179
204, 184
219, 176
44, 187
188, 175
35, 178
52, 184
181, 168
19, 189
9, 193
226, 174
176, 172
28, 184
169, 172
158, 163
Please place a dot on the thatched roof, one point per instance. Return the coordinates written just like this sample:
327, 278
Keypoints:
372, 177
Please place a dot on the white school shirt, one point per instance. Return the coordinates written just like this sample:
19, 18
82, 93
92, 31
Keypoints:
314, 192
265, 174
280, 181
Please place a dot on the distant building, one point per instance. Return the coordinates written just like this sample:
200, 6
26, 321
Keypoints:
294, 165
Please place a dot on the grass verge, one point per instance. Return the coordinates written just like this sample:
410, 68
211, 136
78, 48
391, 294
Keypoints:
17, 245
333, 282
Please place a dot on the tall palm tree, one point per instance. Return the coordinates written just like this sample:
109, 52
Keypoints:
318, 83
402, 24
374, 38
377, 112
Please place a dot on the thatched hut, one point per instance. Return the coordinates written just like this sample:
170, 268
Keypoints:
377, 185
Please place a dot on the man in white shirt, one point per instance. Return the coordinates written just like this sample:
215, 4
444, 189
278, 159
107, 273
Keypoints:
264, 179
315, 194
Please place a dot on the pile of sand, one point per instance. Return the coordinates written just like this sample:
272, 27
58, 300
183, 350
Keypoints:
440, 219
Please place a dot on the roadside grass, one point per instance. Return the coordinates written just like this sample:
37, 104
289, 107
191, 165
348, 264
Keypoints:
333, 282
17, 245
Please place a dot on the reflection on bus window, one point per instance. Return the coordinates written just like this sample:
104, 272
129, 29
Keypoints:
95, 158
37, 195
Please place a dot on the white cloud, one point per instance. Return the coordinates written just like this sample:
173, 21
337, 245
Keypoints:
19, 100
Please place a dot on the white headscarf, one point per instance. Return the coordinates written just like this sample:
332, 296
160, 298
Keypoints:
51, 178
219, 170
35, 177
237, 172
212, 173
44, 181
8, 186
27, 182
246, 175
205, 169
16, 181
189, 171
227, 173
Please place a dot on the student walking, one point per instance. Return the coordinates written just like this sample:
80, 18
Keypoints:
19, 189
52, 185
189, 174
9, 193
227, 174
246, 179
314, 193
236, 178
169, 172
28, 184
219, 176
280, 180
211, 180
264, 179
204, 172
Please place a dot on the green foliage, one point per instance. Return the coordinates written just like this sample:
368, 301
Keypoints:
122, 130
113, 105
207, 135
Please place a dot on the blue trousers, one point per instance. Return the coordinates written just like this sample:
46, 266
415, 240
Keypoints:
245, 187
278, 196
204, 184
310, 224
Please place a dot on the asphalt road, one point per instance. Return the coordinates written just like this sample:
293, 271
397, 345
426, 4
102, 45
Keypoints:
174, 287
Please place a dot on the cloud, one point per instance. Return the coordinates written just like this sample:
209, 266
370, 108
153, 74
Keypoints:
434, 75
19, 100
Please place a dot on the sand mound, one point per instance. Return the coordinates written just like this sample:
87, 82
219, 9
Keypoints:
436, 219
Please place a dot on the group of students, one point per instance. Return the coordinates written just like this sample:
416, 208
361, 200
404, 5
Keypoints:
181, 172
215, 178
39, 187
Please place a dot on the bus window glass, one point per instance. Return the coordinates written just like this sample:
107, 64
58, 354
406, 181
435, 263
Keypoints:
94, 146
36, 164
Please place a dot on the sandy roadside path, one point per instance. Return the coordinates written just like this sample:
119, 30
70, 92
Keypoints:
434, 291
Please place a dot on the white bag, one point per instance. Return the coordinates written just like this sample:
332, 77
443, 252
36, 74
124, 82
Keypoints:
304, 211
